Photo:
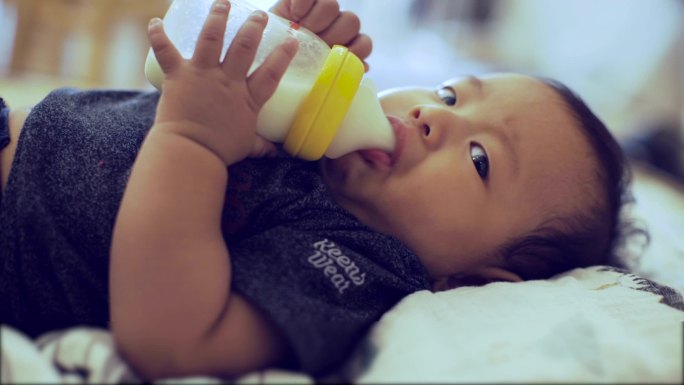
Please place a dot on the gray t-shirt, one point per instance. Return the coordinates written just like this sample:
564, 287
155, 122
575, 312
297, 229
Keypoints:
322, 276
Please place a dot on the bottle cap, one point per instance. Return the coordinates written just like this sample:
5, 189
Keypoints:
324, 109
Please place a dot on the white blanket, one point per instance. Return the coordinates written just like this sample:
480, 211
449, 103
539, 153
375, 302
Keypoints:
588, 325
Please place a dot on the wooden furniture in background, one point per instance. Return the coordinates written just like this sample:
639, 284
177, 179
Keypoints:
44, 27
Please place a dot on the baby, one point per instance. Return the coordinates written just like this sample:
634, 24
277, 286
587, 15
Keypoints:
206, 250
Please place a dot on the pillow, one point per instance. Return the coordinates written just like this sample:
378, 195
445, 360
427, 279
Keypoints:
597, 324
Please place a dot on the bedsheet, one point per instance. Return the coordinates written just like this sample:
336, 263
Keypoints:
593, 325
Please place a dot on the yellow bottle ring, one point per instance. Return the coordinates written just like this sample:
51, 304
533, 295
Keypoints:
324, 109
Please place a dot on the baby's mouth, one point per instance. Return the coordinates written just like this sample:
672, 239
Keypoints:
376, 156
384, 158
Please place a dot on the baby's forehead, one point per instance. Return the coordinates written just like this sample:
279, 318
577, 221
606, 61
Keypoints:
564, 183
558, 166
525, 94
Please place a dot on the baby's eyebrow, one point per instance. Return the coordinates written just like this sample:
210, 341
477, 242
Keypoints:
475, 82
472, 80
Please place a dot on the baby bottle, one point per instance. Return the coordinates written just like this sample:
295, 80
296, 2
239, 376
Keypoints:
322, 106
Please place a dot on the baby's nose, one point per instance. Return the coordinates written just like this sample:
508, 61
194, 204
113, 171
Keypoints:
430, 125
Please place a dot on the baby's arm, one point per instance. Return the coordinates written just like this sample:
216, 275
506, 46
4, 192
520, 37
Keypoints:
324, 18
172, 310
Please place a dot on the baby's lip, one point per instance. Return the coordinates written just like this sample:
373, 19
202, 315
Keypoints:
384, 158
400, 130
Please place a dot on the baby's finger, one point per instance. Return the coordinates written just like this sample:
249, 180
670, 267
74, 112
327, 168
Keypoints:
243, 48
361, 46
166, 53
299, 8
210, 42
293, 10
263, 82
321, 16
344, 29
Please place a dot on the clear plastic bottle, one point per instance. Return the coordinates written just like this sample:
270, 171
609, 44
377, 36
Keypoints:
322, 106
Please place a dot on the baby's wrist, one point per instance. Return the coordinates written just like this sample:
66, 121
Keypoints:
193, 134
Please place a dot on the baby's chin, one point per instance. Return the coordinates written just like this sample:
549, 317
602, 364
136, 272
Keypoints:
351, 179
336, 172
353, 169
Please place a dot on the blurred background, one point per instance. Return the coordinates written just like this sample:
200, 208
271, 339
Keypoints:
625, 57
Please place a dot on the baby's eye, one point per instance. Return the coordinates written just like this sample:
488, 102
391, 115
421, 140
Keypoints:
448, 95
480, 160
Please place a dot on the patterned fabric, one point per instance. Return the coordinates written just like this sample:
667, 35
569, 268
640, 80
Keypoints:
669, 296
89, 356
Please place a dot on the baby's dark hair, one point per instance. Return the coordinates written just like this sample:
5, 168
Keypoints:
584, 239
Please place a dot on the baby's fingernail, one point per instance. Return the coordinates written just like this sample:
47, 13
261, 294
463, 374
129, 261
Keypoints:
258, 15
155, 21
220, 5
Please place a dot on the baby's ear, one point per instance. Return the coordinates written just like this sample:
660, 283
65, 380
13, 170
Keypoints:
477, 277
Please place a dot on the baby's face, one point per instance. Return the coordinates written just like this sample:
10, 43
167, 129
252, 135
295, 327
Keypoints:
478, 161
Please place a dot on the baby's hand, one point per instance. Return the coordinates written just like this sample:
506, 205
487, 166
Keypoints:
214, 102
324, 18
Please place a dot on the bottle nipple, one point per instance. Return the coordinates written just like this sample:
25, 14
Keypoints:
365, 126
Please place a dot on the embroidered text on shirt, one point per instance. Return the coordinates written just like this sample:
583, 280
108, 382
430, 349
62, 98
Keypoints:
328, 257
